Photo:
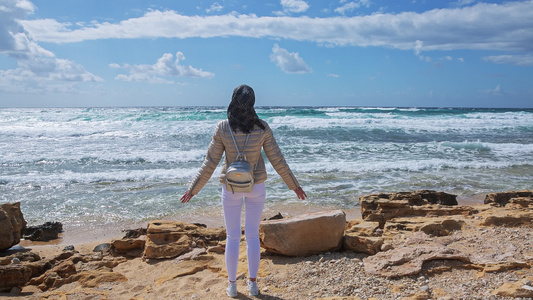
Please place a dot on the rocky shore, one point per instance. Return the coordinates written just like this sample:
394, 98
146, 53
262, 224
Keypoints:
411, 245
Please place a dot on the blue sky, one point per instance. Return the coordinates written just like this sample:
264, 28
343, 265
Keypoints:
426, 53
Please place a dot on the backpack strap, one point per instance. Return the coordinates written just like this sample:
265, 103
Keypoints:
240, 154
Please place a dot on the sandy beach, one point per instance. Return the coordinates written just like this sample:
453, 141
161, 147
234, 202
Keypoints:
211, 217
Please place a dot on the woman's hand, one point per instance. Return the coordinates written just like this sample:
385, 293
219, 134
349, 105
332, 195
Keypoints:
300, 193
186, 197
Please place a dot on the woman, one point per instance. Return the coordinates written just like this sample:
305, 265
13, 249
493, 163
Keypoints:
243, 121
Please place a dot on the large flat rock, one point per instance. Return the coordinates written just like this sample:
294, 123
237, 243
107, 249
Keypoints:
304, 235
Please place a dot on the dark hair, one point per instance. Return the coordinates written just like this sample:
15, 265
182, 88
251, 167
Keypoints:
241, 112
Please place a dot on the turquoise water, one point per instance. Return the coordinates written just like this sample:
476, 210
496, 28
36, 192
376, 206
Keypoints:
85, 166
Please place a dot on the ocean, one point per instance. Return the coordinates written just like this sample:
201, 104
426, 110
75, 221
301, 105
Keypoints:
89, 167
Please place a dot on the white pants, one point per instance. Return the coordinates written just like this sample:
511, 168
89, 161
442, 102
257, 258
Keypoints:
253, 206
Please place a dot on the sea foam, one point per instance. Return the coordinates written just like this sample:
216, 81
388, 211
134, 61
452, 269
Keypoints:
79, 165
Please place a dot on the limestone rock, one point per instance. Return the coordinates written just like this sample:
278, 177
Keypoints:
104, 263
362, 244
436, 226
96, 277
362, 228
89, 270
193, 255
514, 290
134, 233
188, 267
304, 235
45, 232
387, 245
169, 239
434, 197
13, 276
383, 207
21, 256
409, 260
12, 224
129, 247
165, 240
504, 266
521, 202
56, 277
502, 199
507, 217
220, 248
363, 237
38, 267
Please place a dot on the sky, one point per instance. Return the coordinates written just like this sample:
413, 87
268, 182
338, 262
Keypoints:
407, 53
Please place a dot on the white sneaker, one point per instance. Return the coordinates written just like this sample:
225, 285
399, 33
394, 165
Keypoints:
252, 288
231, 290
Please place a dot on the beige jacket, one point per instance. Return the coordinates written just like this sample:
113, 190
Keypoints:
223, 143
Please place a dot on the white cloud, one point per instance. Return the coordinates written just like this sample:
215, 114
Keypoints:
38, 69
507, 27
425, 58
24, 4
519, 60
165, 66
10, 12
497, 91
418, 51
351, 6
464, 2
289, 62
294, 6
418, 47
215, 7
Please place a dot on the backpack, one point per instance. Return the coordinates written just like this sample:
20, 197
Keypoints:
240, 174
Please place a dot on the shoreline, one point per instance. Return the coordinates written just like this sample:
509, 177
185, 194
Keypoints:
212, 217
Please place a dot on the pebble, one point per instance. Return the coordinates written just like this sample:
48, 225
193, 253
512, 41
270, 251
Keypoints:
15, 261
527, 287
316, 279
15, 291
101, 247
69, 248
